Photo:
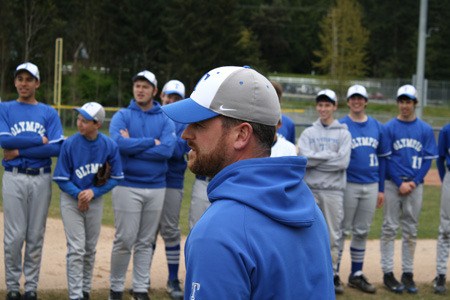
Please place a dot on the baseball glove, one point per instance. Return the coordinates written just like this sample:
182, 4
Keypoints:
103, 174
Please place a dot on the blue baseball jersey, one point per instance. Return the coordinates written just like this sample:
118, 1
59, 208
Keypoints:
368, 144
80, 159
413, 148
22, 126
177, 163
443, 161
287, 129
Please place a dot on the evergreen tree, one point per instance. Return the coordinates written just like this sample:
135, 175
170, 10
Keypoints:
344, 41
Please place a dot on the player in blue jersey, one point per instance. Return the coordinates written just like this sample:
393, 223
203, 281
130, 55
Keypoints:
146, 139
413, 148
365, 182
173, 91
30, 134
81, 156
443, 241
287, 128
263, 235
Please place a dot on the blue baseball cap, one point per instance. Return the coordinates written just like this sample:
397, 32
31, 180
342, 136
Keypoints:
92, 111
236, 92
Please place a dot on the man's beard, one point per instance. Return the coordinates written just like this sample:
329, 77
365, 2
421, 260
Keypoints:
211, 163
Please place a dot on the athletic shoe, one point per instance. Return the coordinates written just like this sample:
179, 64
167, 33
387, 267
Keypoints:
115, 295
13, 296
338, 286
392, 284
140, 296
408, 281
174, 290
86, 296
30, 296
360, 282
439, 284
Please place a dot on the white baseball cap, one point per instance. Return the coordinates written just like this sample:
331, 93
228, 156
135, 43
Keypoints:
174, 87
235, 92
357, 90
408, 91
327, 93
146, 75
30, 68
92, 111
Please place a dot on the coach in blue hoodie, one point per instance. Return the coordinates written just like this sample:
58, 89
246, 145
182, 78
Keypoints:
263, 236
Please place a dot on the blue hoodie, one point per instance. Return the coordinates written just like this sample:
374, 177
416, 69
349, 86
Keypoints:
144, 163
263, 237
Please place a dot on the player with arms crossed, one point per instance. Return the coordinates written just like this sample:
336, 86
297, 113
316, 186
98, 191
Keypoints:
30, 134
327, 145
443, 241
81, 157
413, 148
263, 235
365, 182
146, 139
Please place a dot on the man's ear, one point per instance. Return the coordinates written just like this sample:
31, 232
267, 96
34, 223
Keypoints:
242, 135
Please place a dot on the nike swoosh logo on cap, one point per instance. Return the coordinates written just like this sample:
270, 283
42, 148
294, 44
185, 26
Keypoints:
225, 109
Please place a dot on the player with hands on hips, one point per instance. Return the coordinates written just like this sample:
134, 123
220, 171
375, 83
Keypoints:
365, 182
30, 135
327, 145
413, 147
169, 229
443, 240
82, 156
146, 138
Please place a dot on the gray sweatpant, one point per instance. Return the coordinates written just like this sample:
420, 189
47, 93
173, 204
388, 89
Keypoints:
400, 210
26, 200
443, 241
199, 201
137, 213
82, 231
331, 204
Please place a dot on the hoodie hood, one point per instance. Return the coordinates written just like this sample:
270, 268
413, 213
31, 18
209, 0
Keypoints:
273, 186
334, 125
156, 107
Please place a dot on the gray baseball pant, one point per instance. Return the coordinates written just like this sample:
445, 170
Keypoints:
170, 217
26, 199
332, 205
199, 201
360, 201
405, 211
82, 232
443, 241
137, 213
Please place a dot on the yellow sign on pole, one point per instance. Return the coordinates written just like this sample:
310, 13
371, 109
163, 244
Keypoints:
58, 74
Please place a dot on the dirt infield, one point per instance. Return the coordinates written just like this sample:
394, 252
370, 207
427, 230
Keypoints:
53, 272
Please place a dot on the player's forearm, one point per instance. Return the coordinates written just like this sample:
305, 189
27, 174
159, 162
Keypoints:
69, 187
43, 151
440, 163
101, 190
20, 142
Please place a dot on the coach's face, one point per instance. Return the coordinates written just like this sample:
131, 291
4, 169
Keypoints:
144, 92
209, 145
26, 86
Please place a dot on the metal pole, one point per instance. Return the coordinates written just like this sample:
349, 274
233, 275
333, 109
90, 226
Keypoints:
420, 70
58, 74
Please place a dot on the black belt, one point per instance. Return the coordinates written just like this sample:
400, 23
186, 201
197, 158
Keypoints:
406, 179
203, 178
29, 171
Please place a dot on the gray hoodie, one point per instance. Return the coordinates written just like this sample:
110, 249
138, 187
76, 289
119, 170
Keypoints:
328, 152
